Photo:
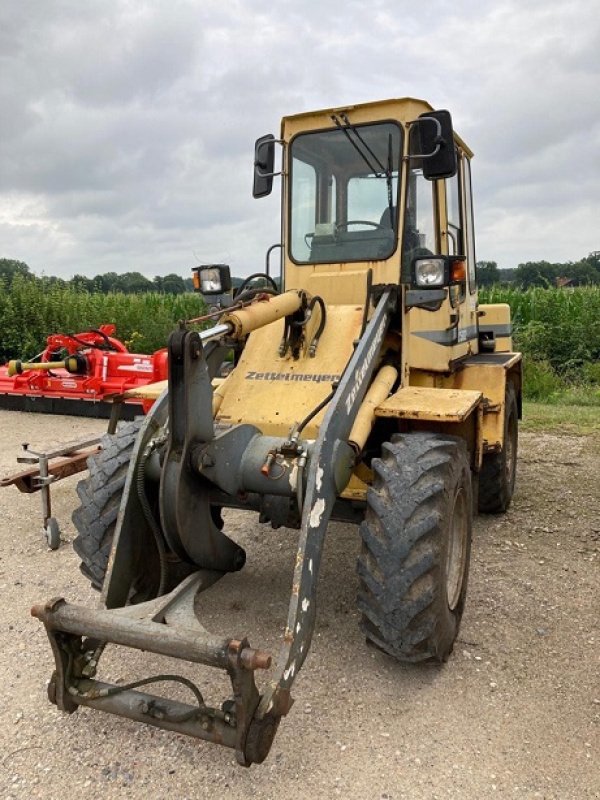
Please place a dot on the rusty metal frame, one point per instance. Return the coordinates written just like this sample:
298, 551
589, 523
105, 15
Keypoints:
52, 466
166, 625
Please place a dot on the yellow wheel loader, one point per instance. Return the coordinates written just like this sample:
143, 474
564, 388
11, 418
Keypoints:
372, 388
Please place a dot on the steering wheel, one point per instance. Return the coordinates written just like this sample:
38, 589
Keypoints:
376, 225
255, 276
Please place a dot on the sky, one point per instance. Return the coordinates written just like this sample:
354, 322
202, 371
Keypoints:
127, 127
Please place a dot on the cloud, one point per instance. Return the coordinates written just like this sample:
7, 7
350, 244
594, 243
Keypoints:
126, 138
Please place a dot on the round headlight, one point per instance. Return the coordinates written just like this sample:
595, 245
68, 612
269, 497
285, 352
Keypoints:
429, 272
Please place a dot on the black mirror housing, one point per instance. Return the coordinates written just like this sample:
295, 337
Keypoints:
211, 279
264, 162
435, 145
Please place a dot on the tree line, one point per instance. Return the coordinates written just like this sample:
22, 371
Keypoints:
585, 272
126, 282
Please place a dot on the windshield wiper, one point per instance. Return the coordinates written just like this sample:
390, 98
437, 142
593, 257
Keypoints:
379, 173
364, 144
344, 129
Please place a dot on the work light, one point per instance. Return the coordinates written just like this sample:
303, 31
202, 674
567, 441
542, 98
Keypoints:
211, 279
430, 272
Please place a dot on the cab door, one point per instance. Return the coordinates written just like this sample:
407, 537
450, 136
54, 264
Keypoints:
443, 330
458, 233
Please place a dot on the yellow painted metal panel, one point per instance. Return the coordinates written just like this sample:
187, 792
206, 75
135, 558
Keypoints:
428, 404
496, 316
336, 286
487, 378
439, 338
403, 109
152, 391
272, 392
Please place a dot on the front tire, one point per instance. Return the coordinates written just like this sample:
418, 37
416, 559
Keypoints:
100, 495
416, 543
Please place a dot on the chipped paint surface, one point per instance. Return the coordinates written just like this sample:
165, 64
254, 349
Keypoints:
289, 672
293, 477
316, 513
319, 478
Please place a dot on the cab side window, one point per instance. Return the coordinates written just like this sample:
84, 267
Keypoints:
455, 227
470, 226
420, 228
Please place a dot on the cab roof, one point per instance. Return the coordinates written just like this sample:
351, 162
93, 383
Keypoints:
402, 109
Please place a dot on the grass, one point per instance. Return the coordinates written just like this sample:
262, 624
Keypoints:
580, 420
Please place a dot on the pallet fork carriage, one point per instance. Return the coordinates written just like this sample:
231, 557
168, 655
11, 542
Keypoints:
374, 389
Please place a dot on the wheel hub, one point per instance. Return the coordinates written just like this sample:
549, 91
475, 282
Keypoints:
457, 548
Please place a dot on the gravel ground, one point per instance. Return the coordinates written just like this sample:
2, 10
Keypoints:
513, 714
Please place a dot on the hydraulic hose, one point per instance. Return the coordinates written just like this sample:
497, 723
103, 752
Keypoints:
315, 411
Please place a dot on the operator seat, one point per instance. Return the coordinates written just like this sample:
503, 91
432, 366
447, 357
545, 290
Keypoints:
388, 218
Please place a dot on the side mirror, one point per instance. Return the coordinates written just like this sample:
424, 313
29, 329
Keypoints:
264, 162
433, 143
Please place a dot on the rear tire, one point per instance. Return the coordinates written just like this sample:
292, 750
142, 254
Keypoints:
416, 543
498, 470
100, 495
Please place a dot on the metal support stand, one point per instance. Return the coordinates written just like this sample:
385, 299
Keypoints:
48, 467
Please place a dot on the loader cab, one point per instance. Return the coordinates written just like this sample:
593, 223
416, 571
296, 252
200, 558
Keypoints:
370, 195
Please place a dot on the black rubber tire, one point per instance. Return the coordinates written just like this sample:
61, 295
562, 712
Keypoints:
100, 495
498, 470
421, 487
52, 533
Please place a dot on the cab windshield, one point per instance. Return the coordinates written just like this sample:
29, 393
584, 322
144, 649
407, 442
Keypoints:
344, 193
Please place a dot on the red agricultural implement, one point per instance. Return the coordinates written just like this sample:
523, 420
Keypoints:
81, 374
85, 374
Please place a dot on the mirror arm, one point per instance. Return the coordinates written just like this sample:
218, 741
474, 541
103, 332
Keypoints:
257, 163
438, 137
268, 257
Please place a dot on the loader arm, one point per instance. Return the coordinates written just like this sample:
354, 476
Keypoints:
168, 624
330, 467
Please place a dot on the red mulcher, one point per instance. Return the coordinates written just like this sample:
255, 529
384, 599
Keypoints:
79, 374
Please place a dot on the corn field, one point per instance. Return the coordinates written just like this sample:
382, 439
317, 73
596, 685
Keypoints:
558, 330
560, 326
33, 309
